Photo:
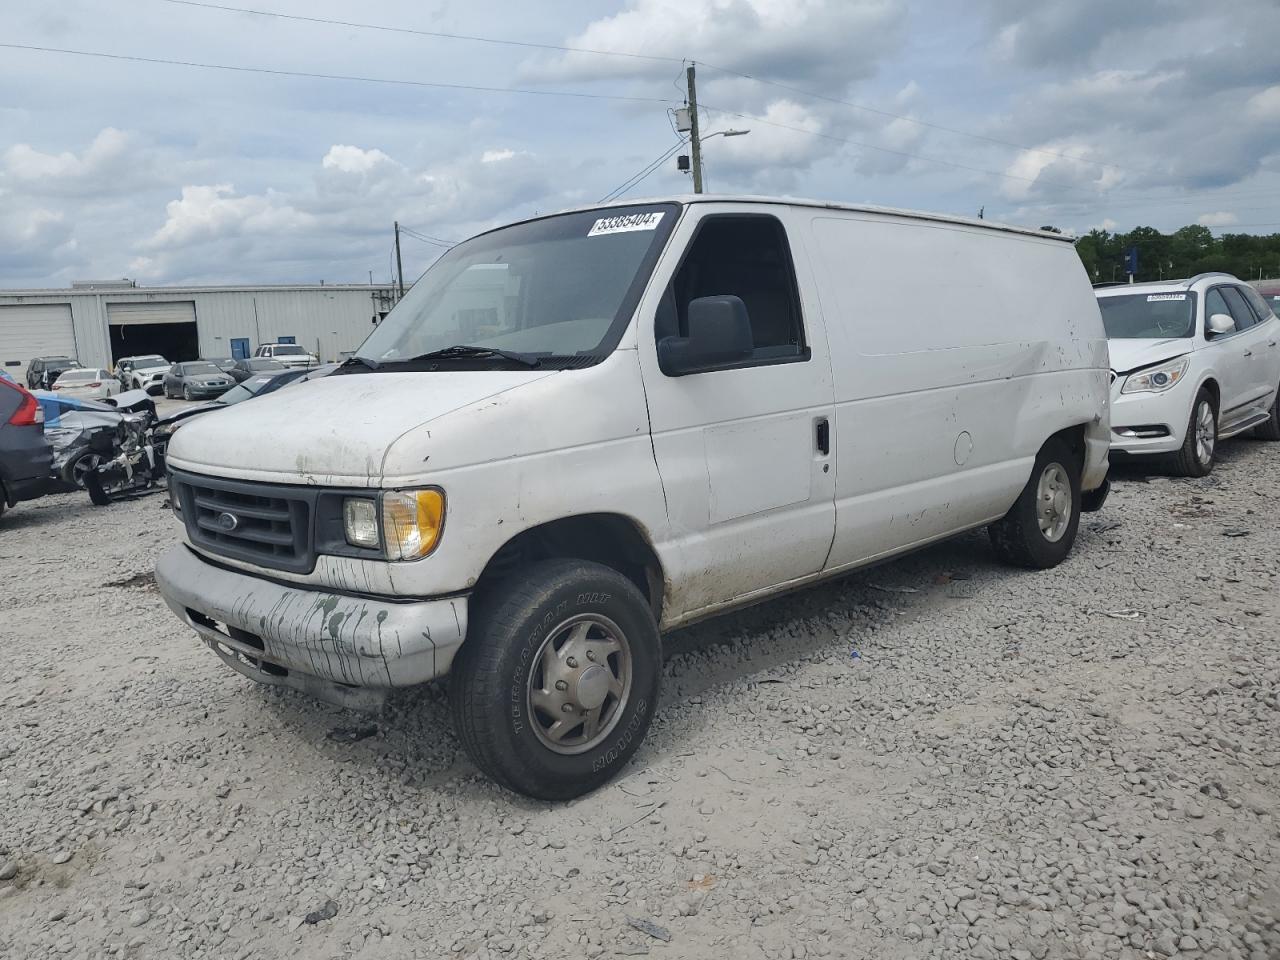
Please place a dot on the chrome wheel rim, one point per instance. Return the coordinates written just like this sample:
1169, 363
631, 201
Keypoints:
1053, 502
1206, 432
579, 683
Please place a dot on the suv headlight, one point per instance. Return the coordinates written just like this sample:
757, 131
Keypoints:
1157, 379
404, 524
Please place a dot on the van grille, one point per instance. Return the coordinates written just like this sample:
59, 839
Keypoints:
260, 523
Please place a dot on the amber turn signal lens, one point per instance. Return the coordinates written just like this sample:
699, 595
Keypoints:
411, 522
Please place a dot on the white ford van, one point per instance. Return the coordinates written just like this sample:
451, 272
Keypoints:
578, 431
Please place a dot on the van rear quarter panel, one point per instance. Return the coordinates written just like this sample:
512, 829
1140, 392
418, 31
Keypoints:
956, 352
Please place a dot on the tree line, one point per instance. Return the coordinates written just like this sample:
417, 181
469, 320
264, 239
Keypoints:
1184, 253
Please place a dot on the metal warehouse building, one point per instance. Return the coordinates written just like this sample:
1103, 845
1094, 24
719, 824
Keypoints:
97, 323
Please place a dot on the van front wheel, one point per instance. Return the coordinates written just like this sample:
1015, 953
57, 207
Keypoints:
554, 688
1040, 527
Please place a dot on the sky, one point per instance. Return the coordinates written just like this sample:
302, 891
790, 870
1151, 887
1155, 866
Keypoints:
1075, 113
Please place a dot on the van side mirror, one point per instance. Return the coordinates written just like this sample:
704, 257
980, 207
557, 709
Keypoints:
1221, 323
719, 334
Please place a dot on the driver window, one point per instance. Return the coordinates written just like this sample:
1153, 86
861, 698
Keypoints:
747, 257
1213, 303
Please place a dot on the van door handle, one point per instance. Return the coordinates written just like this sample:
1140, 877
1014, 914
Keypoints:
824, 436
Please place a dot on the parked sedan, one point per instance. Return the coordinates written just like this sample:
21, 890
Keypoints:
249, 366
25, 456
89, 383
196, 379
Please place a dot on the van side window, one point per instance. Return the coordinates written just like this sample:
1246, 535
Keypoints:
1239, 309
747, 257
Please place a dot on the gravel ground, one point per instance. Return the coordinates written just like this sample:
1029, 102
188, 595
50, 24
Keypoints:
939, 757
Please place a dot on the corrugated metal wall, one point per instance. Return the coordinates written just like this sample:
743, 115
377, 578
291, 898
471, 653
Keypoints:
326, 320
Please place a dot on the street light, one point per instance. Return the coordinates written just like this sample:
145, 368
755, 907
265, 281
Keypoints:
697, 154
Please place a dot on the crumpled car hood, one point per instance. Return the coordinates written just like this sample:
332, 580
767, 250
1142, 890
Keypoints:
1130, 355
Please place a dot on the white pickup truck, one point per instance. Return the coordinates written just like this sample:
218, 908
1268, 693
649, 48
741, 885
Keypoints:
289, 354
578, 431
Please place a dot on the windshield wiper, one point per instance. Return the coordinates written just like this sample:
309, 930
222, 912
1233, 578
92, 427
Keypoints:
371, 364
466, 350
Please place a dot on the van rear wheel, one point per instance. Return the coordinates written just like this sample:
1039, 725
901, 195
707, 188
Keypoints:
556, 684
1040, 527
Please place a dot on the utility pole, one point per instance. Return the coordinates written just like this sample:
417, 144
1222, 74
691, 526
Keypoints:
399, 265
690, 75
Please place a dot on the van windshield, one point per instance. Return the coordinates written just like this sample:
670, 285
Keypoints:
558, 291
1148, 316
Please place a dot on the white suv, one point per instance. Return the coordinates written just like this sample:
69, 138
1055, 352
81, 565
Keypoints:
1192, 362
290, 354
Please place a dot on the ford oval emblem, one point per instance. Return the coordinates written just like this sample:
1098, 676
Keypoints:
227, 522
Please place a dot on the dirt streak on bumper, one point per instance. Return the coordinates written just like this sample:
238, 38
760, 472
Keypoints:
349, 640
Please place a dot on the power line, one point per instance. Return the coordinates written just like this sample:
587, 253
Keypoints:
871, 146
921, 123
636, 178
1097, 203
474, 38
427, 239
337, 76
559, 48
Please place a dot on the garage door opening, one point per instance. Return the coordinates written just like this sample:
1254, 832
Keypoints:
168, 329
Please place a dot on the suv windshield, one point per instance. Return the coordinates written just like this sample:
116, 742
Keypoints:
156, 361
286, 350
560, 288
1149, 316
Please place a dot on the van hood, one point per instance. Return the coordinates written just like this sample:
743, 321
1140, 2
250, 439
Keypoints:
335, 431
1128, 355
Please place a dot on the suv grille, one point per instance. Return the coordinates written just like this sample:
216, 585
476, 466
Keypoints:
260, 523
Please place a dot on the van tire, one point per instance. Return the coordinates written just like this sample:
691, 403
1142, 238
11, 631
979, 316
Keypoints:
1018, 537
516, 628
1270, 430
1187, 462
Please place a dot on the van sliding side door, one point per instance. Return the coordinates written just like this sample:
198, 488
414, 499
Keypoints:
744, 448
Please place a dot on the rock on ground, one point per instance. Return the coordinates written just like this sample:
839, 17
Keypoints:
1079, 763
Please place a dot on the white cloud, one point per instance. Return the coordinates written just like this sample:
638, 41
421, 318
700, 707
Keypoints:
207, 212
24, 163
1264, 106
833, 40
1220, 219
496, 156
1059, 166
348, 159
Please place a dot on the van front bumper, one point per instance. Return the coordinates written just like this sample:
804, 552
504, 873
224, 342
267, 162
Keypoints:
343, 649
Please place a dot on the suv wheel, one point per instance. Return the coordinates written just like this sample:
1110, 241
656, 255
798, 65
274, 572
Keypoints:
1195, 458
554, 688
1040, 527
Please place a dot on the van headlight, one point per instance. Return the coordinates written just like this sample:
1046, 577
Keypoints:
1157, 379
404, 524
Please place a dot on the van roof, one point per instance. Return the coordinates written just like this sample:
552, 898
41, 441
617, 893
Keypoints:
690, 198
